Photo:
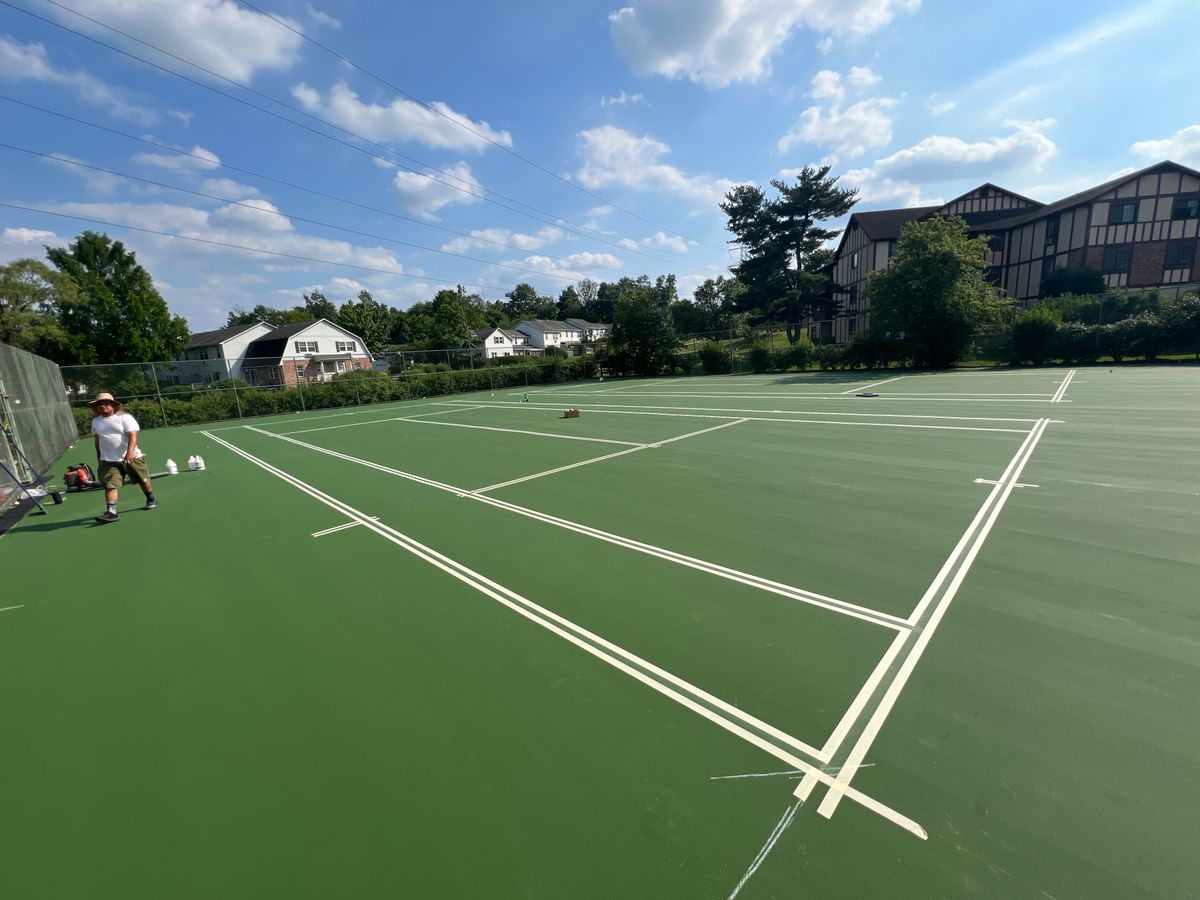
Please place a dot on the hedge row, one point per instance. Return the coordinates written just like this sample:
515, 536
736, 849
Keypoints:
228, 400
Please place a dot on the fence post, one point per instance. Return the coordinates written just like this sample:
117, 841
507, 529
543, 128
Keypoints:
236, 399
354, 378
161, 408
300, 385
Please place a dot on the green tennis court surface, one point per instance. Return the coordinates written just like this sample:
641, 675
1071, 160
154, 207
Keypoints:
753, 636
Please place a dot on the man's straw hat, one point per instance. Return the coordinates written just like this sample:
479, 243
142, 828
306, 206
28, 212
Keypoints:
103, 397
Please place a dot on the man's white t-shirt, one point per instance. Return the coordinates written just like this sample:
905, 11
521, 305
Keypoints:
114, 434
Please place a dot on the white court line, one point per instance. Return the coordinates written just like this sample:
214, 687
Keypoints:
1062, 388
876, 384
796, 773
859, 751
581, 637
341, 527
373, 408
641, 409
775, 398
794, 421
783, 590
548, 434
588, 462
780, 828
441, 412
850, 716
7, 608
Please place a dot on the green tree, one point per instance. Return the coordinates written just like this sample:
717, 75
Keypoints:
451, 326
643, 338
568, 305
399, 330
586, 291
318, 306
603, 306
784, 263
120, 317
366, 317
933, 292
1035, 333
718, 299
261, 313
1181, 318
31, 294
524, 302
1080, 280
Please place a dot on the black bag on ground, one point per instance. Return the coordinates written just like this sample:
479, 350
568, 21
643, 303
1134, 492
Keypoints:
79, 477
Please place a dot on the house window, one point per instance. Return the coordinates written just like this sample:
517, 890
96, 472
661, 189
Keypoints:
854, 296
1186, 208
1122, 213
345, 346
1047, 266
854, 260
1052, 232
996, 243
1116, 259
498, 340
1181, 255
306, 346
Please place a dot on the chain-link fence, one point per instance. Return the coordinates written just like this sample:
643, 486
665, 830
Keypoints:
35, 420
195, 391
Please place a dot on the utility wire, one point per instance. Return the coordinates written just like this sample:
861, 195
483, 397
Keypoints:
299, 187
290, 216
480, 195
465, 127
231, 246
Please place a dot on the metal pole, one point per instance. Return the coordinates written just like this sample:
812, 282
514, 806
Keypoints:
236, 399
354, 378
161, 408
299, 384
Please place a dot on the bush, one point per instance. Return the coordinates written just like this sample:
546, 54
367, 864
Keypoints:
714, 360
760, 359
1075, 343
1035, 335
829, 356
802, 353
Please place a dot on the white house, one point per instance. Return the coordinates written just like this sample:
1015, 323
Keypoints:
543, 333
495, 342
304, 351
216, 355
592, 331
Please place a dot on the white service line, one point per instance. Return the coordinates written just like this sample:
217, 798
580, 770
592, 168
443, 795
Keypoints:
861, 747
876, 384
441, 412
641, 409
891, 398
7, 608
373, 408
1062, 388
341, 527
850, 716
588, 462
549, 434
582, 638
813, 599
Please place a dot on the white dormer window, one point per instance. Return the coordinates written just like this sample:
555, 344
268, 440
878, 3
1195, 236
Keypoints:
306, 346
498, 339
346, 346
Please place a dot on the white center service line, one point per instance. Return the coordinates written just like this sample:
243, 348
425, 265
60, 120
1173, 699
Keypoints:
875, 384
1062, 388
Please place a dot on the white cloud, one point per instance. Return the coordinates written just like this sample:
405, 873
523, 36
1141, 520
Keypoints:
623, 99
825, 45
938, 106
849, 133
861, 78
658, 241
716, 42
218, 34
938, 159
401, 120
182, 115
425, 196
30, 62
178, 163
1181, 147
489, 237
26, 243
228, 188
874, 189
613, 156
320, 18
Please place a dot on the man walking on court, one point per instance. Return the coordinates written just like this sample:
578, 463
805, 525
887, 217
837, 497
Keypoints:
118, 453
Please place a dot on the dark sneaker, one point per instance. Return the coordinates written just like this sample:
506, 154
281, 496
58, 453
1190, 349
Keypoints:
109, 516
151, 504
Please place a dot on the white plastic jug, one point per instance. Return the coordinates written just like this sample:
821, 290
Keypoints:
192, 462
199, 463
172, 467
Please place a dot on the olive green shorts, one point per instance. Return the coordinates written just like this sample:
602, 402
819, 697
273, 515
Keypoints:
112, 474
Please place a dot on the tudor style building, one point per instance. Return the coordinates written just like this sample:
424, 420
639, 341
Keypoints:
1138, 230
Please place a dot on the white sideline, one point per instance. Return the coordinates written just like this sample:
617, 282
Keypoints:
374, 407
1062, 388
775, 398
7, 608
341, 527
861, 747
588, 462
813, 599
552, 622
875, 384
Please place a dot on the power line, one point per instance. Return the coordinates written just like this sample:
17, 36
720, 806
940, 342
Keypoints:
289, 184
468, 128
557, 221
289, 216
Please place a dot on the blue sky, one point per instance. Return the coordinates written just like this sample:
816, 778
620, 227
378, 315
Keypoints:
599, 136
